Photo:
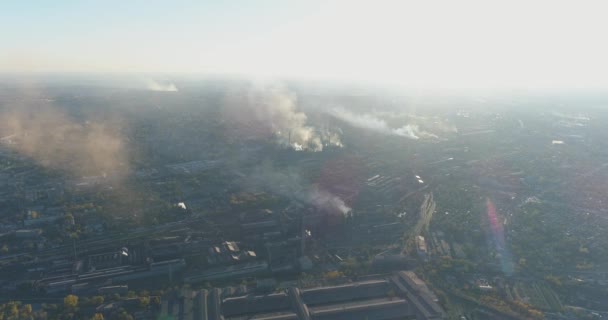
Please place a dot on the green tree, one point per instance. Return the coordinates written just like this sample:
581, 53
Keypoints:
70, 302
123, 315
26, 311
97, 316
144, 302
14, 310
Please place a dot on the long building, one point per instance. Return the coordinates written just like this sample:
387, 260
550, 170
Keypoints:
397, 297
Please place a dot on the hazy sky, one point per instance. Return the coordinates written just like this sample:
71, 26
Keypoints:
533, 43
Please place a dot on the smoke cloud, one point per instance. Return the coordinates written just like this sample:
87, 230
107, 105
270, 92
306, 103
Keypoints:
326, 200
50, 137
159, 86
263, 112
289, 183
373, 123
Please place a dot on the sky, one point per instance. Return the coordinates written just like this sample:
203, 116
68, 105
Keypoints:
453, 44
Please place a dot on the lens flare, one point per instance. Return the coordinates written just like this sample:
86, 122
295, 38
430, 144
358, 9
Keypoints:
498, 237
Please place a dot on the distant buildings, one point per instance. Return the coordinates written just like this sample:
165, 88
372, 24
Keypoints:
41, 221
61, 279
105, 260
235, 271
229, 252
28, 233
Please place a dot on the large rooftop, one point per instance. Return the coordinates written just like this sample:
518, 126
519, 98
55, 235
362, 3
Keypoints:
400, 296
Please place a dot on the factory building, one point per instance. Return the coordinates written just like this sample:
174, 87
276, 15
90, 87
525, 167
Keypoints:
397, 297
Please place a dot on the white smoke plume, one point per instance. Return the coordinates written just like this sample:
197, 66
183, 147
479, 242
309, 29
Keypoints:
414, 132
262, 111
53, 139
153, 85
323, 199
408, 131
288, 183
373, 123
